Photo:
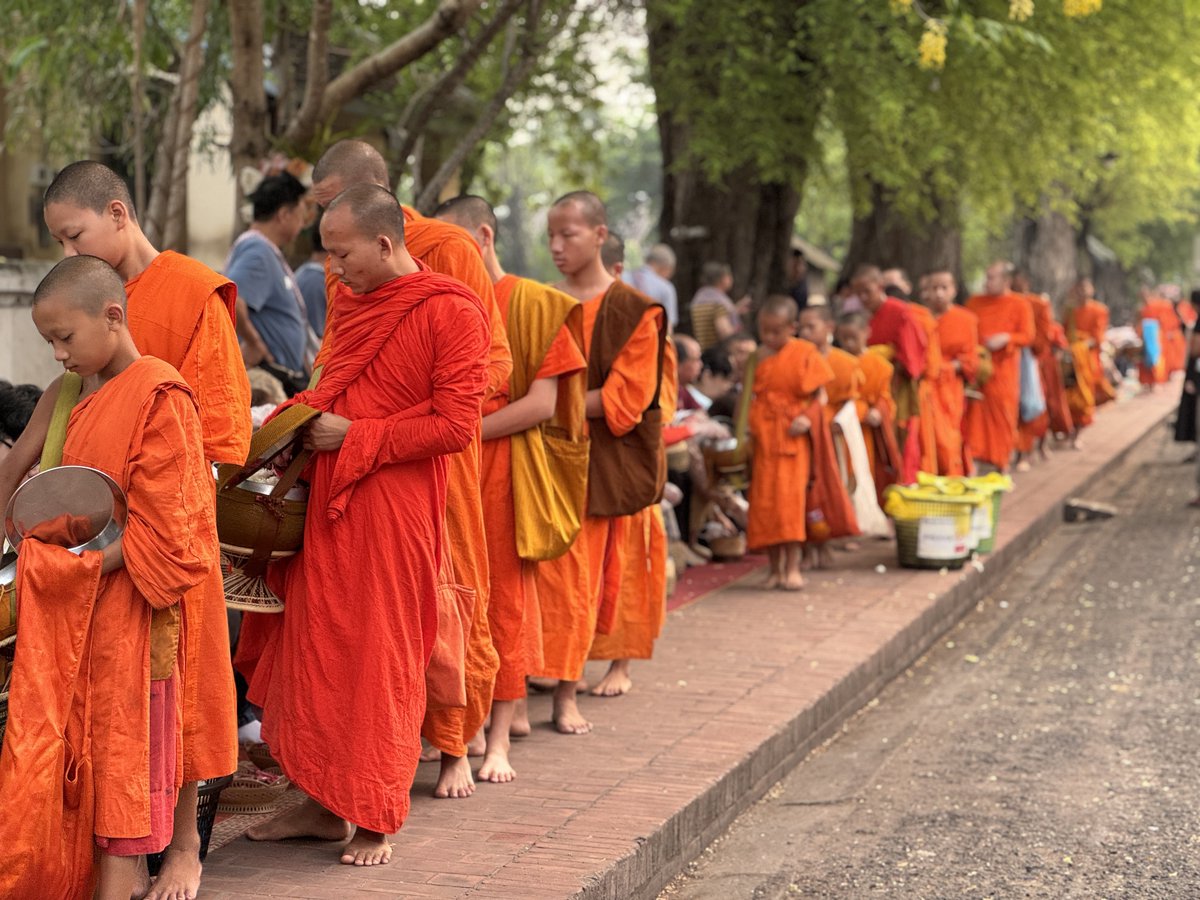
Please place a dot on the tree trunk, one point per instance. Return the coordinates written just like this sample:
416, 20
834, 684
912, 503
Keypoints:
884, 238
155, 215
1045, 249
139, 108
175, 228
248, 143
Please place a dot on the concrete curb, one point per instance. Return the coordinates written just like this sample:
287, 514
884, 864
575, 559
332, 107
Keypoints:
663, 853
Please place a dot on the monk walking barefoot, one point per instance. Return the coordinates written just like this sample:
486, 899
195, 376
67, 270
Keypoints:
616, 680
454, 780
520, 727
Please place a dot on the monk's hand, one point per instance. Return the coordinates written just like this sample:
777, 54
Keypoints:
800, 426
327, 432
873, 418
997, 341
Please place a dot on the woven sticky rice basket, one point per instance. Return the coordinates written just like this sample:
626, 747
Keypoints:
247, 796
728, 548
248, 593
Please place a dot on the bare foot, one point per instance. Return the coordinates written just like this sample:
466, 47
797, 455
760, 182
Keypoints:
496, 767
616, 680
824, 558
773, 581
1024, 466
454, 781
477, 745
429, 753
308, 820
179, 877
520, 725
794, 582
566, 716
367, 848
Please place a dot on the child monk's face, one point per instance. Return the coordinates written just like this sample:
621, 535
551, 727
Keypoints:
775, 330
84, 341
941, 292
814, 328
851, 339
574, 241
85, 232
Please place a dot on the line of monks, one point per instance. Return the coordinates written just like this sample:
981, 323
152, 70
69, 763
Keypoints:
483, 509
483, 506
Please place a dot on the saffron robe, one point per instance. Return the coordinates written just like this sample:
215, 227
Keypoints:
992, 422
932, 428
515, 627
785, 385
847, 383
1174, 347
1086, 325
182, 312
883, 453
75, 761
895, 326
641, 607
573, 588
408, 368
958, 336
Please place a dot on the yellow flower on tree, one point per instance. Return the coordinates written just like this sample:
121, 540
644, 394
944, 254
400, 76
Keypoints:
1077, 9
1020, 10
901, 6
931, 52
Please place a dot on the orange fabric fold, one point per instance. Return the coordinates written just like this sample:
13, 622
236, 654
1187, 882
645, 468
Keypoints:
958, 336
992, 422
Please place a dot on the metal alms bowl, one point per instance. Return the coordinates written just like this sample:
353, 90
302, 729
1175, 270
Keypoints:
76, 507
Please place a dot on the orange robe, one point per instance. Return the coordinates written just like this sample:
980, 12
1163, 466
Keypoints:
449, 250
1170, 337
1085, 327
784, 385
1029, 433
515, 628
182, 312
992, 422
877, 394
847, 383
958, 335
895, 325
641, 606
933, 430
408, 368
75, 760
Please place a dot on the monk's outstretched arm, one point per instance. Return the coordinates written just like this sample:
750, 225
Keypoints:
460, 357
170, 540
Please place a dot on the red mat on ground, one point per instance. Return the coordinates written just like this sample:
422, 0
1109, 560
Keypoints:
700, 581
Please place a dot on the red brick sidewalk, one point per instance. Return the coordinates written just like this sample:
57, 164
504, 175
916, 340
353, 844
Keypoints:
744, 684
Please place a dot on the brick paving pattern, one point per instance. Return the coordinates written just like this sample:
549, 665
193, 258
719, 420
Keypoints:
744, 683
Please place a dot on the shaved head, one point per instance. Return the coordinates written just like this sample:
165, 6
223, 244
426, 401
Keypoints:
87, 282
88, 184
820, 311
868, 273
780, 305
612, 251
591, 207
352, 162
467, 211
852, 320
373, 209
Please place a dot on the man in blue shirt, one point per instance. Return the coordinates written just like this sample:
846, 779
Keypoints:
654, 280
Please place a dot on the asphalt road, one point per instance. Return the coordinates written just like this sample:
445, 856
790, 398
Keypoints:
1046, 746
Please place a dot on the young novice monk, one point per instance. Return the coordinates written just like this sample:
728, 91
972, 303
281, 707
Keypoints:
876, 408
90, 756
788, 379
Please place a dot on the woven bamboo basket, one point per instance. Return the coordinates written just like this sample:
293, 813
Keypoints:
728, 548
248, 593
247, 796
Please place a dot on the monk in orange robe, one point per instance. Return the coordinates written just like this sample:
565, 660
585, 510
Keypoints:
625, 342
1086, 322
545, 329
1005, 326
788, 378
895, 328
876, 408
933, 430
74, 775
183, 313
958, 338
399, 396
1170, 337
448, 250
1032, 434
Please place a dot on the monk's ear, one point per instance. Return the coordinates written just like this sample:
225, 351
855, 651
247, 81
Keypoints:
114, 314
487, 236
386, 249
119, 213
602, 233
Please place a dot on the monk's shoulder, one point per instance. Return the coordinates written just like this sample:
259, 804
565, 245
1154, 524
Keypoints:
842, 362
189, 273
